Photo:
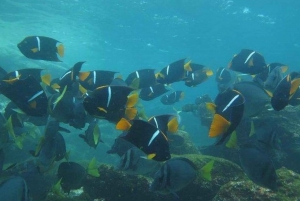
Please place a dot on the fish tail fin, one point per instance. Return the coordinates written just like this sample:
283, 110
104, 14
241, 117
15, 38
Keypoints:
218, 126
96, 135
132, 100
130, 113
232, 142
9, 127
173, 125
211, 107
46, 79
123, 124
92, 168
83, 75
19, 140
206, 170
61, 50
56, 189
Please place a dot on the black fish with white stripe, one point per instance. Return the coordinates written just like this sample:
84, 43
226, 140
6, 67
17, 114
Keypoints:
92, 79
141, 78
152, 92
172, 98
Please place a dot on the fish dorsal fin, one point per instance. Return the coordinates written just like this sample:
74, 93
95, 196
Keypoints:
173, 125
132, 100
211, 107
218, 126
131, 113
61, 50
123, 124
46, 79
92, 168
206, 170
232, 142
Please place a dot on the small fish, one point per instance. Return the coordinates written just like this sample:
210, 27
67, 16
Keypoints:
228, 109
225, 78
92, 79
120, 146
258, 166
152, 92
92, 135
248, 61
165, 123
41, 48
146, 137
111, 103
14, 189
141, 78
27, 94
285, 90
73, 175
172, 98
197, 77
174, 175
174, 72
135, 162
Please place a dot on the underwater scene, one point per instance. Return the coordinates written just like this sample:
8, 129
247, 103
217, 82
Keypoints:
139, 100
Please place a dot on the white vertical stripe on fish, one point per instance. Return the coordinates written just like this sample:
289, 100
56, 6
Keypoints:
153, 137
35, 95
155, 122
232, 100
109, 96
250, 55
168, 69
94, 80
137, 74
222, 72
67, 73
39, 43
151, 89
17, 73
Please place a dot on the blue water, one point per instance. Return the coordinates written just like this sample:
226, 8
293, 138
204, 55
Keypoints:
127, 35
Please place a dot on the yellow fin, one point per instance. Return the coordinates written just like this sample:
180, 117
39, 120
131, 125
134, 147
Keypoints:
135, 83
130, 113
211, 107
151, 156
19, 140
209, 73
102, 109
39, 146
83, 75
173, 125
250, 63
206, 170
218, 126
123, 124
187, 66
32, 104
252, 129
92, 168
295, 85
232, 142
56, 189
61, 96
46, 79
96, 134
55, 86
132, 100
35, 50
159, 75
9, 127
82, 89
284, 68
181, 96
61, 50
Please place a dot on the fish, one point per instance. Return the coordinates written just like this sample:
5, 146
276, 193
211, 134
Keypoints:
92, 135
92, 79
248, 61
174, 175
41, 48
111, 103
141, 78
258, 166
165, 123
79, 117
225, 78
197, 77
174, 72
270, 78
172, 98
256, 97
285, 90
152, 92
120, 146
14, 189
73, 174
135, 162
27, 94
228, 112
176, 141
146, 137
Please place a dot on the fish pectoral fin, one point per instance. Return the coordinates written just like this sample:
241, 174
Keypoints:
102, 109
218, 126
35, 50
